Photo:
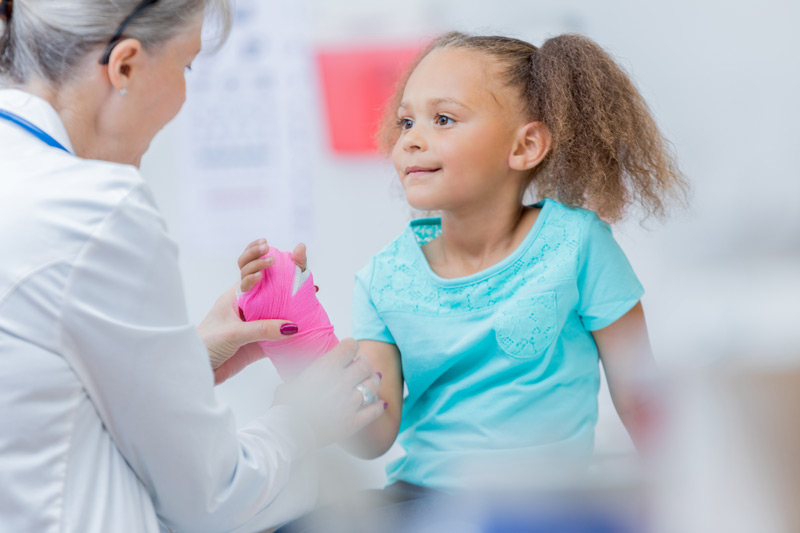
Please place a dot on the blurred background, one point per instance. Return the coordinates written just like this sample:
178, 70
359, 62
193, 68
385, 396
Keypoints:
274, 141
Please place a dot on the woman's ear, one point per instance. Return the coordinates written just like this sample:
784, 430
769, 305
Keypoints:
531, 144
124, 62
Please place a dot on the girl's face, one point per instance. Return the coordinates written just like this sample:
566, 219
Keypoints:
457, 127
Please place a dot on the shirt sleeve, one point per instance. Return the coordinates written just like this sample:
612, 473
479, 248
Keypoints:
607, 285
367, 321
126, 334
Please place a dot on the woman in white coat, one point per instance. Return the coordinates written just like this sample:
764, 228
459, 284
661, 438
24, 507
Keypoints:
108, 418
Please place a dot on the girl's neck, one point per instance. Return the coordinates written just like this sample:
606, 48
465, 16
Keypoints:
475, 239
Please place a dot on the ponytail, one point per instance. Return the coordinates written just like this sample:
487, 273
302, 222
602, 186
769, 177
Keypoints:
607, 151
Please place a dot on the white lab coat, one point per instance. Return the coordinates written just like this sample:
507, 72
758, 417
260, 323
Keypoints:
108, 417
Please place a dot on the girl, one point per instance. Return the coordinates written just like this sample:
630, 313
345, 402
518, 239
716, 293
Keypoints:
494, 314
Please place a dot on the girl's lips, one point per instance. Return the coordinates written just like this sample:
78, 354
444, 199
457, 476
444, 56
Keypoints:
419, 171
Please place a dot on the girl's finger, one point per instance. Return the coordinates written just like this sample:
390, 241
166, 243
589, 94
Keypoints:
256, 266
253, 251
257, 241
299, 256
248, 282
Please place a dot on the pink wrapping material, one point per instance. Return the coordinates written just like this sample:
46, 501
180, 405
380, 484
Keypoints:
272, 298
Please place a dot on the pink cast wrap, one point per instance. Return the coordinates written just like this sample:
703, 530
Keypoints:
272, 298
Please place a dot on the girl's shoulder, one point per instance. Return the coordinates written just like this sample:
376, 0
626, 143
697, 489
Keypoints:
403, 251
417, 233
561, 222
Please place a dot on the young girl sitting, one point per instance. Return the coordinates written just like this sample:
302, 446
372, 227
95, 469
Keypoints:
495, 313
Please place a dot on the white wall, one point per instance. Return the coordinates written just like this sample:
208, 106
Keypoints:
722, 80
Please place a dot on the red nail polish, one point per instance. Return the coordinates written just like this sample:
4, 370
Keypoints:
316, 289
289, 329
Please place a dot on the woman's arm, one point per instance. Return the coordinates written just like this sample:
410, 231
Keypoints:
126, 335
629, 365
376, 439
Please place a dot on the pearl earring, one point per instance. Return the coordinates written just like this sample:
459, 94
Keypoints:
123, 91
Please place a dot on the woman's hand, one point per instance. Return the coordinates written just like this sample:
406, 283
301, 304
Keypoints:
376, 439
232, 342
324, 395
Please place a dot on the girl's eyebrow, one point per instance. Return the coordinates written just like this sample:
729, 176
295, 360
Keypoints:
433, 102
438, 101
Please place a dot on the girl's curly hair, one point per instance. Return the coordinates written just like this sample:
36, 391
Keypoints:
607, 152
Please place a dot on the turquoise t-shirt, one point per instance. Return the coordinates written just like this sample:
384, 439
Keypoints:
500, 365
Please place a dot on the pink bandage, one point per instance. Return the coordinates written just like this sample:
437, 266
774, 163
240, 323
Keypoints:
275, 296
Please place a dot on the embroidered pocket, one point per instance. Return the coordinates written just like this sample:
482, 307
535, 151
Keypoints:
525, 326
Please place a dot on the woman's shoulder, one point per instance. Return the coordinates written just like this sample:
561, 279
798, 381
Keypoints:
105, 182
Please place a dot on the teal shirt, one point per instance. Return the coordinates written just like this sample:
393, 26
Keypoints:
500, 365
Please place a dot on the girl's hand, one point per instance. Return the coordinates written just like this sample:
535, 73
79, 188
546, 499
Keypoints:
251, 264
231, 342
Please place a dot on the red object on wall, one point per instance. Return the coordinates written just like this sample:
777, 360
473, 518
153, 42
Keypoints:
357, 83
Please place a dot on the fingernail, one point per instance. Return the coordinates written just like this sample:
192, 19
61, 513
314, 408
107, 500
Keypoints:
289, 329
269, 260
380, 376
263, 248
316, 289
257, 275
385, 405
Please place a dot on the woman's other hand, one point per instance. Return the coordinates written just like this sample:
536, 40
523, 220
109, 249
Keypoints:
232, 342
325, 395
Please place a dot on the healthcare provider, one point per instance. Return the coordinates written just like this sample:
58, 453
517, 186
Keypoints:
108, 417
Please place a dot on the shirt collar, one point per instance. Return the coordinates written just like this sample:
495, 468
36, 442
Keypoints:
37, 111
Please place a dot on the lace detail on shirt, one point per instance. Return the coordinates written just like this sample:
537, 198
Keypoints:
425, 233
526, 326
402, 282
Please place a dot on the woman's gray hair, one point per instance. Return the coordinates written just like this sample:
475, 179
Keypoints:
47, 39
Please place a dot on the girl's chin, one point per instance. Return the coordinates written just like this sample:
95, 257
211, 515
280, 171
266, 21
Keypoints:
420, 202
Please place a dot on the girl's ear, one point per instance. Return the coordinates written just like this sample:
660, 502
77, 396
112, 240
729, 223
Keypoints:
531, 144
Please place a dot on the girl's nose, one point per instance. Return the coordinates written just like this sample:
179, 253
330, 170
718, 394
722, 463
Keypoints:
414, 140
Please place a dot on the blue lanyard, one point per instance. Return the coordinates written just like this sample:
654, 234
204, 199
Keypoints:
24, 124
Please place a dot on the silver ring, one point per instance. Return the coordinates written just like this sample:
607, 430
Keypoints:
366, 394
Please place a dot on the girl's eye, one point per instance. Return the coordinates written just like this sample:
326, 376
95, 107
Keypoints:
442, 120
405, 123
